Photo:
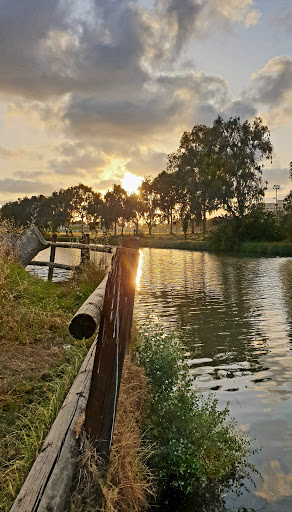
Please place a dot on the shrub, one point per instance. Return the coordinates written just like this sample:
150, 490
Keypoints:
195, 443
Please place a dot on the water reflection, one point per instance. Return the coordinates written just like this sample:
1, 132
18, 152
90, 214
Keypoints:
234, 316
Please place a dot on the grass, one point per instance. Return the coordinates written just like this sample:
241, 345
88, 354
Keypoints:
197, 446
39, 360
128, 483
267, 248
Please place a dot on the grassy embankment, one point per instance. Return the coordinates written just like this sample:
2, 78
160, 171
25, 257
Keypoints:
39, 361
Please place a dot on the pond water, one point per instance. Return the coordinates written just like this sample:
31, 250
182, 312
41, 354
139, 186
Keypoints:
234, 316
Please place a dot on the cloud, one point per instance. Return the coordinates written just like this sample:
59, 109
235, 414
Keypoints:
29, 175
273, 81
147, 162
242, 11
272, 88
172, 100
24, 186
18, 152
283, 20
242, 108
80, 159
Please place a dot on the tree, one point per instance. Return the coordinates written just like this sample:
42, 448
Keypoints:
150, 200
135, 209
115, 201
24, 211
240, 149
95, 211
195, 163
81, 197
166, 188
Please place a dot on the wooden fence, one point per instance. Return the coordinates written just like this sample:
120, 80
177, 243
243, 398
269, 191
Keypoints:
94, 392
85, 249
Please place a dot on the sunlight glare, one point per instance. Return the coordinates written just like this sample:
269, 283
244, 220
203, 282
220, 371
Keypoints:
139, 271
130, 182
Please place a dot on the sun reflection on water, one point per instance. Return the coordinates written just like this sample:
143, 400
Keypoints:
139, 271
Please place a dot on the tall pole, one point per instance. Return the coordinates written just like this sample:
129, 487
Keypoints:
276, 187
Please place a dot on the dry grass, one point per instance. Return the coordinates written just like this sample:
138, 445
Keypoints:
128, 484
39, 358
9, 237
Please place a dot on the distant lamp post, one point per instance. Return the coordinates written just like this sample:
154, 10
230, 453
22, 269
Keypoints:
276, 187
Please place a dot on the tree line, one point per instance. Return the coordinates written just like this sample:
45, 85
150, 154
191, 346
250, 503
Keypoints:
214, 168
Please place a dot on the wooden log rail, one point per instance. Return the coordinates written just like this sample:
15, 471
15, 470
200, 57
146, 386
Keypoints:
84, 245
85, 322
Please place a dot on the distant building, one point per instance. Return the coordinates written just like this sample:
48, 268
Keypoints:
271, 207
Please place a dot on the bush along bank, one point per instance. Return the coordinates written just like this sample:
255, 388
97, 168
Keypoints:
39, 362
198, 452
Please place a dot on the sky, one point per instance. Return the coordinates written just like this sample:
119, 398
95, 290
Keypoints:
100, 91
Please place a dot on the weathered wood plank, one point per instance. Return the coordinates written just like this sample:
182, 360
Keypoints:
51, 264
87, 319
48, 483
30, 243
112, 344
77, 245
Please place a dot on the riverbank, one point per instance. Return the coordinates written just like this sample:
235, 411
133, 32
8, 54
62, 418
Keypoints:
195, 243
39, 363
247, 248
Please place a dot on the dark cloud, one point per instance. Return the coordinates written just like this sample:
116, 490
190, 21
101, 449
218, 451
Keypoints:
29, 175
172, 100
24, 186
273, 81
240, 108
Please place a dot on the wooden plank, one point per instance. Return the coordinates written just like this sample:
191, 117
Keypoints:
76, 245
85, 322
52, 257
112, 344
37, 263
48, 483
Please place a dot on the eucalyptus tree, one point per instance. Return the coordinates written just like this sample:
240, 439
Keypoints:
195, 165
150, 199
23, 211
166, 187
115, 201
135, 210
95, 211
241, 149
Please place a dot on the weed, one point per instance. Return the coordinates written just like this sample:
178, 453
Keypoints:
196, 445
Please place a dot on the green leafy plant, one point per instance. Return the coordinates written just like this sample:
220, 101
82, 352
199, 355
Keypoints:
196, 444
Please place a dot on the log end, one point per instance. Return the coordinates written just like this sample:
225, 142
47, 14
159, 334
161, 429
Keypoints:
82, 326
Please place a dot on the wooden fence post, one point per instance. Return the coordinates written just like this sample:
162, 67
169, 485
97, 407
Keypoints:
85, 251
52, 257
112, 343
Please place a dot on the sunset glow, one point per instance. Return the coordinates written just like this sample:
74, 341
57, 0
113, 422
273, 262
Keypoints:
130, 182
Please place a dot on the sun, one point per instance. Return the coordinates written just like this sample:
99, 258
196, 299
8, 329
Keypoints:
130, 182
